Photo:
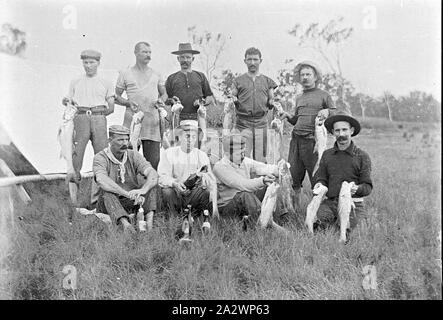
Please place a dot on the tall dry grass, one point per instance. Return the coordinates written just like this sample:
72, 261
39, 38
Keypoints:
400, 240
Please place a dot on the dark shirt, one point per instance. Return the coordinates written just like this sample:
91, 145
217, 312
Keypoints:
188, 88
253, 96
352, 164
307, 106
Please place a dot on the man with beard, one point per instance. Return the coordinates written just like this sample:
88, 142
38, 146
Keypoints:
179, 163
94, 98
253, 94
344, 162
311, 103
145, 89
188, 85
239, 194
115, 170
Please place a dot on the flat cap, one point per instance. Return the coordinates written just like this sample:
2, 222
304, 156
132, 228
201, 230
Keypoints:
188, 125
90, 54
118, 129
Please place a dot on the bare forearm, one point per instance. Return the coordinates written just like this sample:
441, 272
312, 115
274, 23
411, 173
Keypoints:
121, 101
107, 184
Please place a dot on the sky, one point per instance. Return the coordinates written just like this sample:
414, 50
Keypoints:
399, 51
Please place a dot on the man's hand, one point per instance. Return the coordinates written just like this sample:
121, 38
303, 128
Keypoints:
133, 105
354, 188
139, 200
133, 194
179, 187
268, 179
65, 101
323, 114
284, 115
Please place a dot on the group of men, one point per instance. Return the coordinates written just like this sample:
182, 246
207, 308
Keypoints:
124, 180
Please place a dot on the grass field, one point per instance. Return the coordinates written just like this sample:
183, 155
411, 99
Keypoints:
402, 240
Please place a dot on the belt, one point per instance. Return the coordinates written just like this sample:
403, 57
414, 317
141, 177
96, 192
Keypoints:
97, 110
353, 199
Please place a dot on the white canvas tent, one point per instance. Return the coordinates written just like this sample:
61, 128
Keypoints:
31, 110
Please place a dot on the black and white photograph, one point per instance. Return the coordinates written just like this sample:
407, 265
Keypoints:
220, 155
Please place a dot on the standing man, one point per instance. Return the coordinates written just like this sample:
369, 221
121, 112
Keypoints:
177, 164
343, 162
188, 85
253, 94
94, 98
145, 89
312, 102
116, 169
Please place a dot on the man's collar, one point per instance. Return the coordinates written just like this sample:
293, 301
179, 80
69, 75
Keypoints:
232, 164
310, 89
350, 150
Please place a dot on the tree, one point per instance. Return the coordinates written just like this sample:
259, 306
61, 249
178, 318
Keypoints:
225, 81
388, 99
12, 40
211, 46
327, 40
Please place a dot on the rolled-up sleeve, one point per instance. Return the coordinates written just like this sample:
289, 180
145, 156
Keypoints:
100, 168
236, 181
164, 170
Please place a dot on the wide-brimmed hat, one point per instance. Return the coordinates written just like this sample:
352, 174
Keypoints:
185, 48
311, 64
342, 116
90, 54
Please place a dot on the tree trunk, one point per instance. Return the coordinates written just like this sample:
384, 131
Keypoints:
363, 108
389, 110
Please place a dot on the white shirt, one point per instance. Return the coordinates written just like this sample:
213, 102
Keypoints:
177, 165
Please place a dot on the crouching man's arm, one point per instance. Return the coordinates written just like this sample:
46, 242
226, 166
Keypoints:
103, 180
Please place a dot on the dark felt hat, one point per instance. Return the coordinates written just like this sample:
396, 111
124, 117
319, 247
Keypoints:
342, 116
185, 48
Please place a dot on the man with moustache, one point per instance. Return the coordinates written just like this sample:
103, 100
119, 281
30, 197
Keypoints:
253, 95
311, 103
145, 89
188, 85
344, 162
176, 165
115, 170
93, 96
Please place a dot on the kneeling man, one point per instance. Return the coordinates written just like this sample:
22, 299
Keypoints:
116, 170
343, 162
177, 171
239, 194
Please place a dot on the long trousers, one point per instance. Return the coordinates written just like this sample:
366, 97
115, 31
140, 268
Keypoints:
88, 127
118, 207
301, 158
198, 198
245, 203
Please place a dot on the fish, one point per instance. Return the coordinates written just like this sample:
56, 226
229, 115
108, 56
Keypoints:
201, 117
345, 205
176, 109
135, 128
209, 181
286, 194
275, 142
229, 116
311, 211
321, 138
65, 137
268, 205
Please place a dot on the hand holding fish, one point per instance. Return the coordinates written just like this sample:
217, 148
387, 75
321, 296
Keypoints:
133, 105
323, 114
354, 188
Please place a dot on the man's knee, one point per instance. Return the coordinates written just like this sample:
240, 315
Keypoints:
168, 194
